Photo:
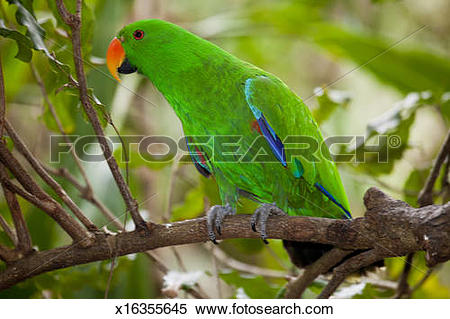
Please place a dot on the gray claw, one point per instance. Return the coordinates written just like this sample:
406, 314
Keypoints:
214, 218
260, 217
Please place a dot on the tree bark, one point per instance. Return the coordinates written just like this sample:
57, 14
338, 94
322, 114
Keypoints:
390, 228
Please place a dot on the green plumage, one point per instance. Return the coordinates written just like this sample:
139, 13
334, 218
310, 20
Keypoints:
216, 94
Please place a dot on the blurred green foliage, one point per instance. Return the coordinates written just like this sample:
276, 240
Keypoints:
365, 68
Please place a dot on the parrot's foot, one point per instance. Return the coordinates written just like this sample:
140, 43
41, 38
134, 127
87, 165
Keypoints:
260, 217
214, 218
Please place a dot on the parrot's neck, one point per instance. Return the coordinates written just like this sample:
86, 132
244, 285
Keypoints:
192, 75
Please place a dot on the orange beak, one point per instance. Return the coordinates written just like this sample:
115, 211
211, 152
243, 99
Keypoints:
114, 57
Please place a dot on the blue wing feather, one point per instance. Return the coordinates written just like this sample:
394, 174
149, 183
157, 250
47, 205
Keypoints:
201, 167
274, 141
271, 137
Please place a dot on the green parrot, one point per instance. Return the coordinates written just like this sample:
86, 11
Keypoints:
243, 126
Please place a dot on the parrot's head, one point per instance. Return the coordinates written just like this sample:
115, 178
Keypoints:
142, 46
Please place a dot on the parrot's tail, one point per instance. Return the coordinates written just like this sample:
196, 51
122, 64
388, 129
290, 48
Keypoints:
303, 254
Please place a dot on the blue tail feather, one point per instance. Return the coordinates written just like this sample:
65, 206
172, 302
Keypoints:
330, 197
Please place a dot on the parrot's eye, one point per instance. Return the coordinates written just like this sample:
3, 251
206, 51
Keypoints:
138, 34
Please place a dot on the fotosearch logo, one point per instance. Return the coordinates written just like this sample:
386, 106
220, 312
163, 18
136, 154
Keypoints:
227, 148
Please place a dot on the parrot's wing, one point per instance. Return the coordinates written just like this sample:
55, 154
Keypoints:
282, 116
287, 125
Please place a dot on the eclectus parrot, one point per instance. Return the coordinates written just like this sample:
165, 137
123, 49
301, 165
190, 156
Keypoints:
215, 94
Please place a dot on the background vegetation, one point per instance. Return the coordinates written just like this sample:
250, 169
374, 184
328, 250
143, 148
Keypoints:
385, 68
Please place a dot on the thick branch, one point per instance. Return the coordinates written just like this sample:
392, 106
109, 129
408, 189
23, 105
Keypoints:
74, 22
390, 227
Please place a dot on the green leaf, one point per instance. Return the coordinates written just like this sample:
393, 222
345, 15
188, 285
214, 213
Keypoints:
87, 23
404, 67
254, 287
27, 19
328, 102
99, 107
24, 44
27, 4
394, 126
66, 108
37, 35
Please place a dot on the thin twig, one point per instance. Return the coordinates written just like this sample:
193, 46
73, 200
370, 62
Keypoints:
2, 101
421, 282
8, 230
90, 196
74, 22
195, 293
37, 166
108, 282
425, 198
55, 116
23, 234
247, 268
348, 267
297, 287
277, 258
64, 173
426, 194
43, 200
445, 189
86, 194
215, 265
403, 286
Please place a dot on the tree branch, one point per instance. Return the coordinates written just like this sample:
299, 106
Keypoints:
55, 116
74, 22
37, 166
426, 194
296, 287
247, 268
23, 235
90, 196
2, 100
43, 200
390, 228
425, 198
86, 193
7, 229
8, 255
403, 286
348, 267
